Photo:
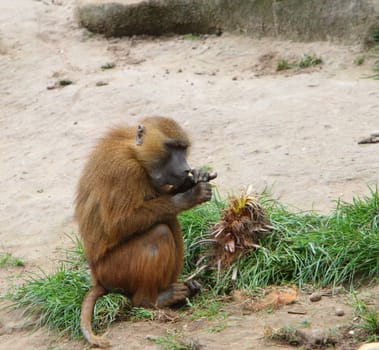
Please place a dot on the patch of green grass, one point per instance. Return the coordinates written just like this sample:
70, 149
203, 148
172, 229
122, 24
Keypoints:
370, 323
376, 69
7, 259
109, 65
142, 314
217, 328
308, 248
54, 300
373, 37
74, 257
286, 335
359, 60
205, 306
283, 65
195, 224
305, 62
309, 60
369, 318
192, 37
341, 248
174, 341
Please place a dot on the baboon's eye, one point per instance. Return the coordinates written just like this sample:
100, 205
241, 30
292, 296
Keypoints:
174, 144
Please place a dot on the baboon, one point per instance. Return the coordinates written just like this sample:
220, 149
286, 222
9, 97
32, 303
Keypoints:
135, 183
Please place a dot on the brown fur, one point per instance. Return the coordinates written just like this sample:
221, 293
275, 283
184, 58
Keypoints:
130, 232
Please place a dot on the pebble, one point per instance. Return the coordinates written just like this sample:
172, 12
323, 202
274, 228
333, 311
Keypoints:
340, 312
315, 297
370, 346
51, 86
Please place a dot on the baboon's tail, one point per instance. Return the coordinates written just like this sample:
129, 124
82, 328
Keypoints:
86, 316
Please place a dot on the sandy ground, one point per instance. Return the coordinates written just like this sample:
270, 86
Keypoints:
295, 132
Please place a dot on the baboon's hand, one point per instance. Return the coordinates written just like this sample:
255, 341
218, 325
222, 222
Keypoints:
195, 176
199, 175
200, 193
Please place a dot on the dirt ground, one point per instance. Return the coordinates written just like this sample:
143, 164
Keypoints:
294, 132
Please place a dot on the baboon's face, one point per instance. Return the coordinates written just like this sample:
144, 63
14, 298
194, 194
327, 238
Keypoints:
171, 170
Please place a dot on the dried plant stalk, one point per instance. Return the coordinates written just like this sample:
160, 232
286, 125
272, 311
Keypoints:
242, 224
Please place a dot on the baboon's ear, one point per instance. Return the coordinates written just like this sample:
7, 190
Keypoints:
139, 134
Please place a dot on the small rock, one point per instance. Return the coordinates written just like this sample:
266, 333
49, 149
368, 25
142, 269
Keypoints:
370, 346
51, 86
109, 65
101, 83
65, 82
340, 312
315, 297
